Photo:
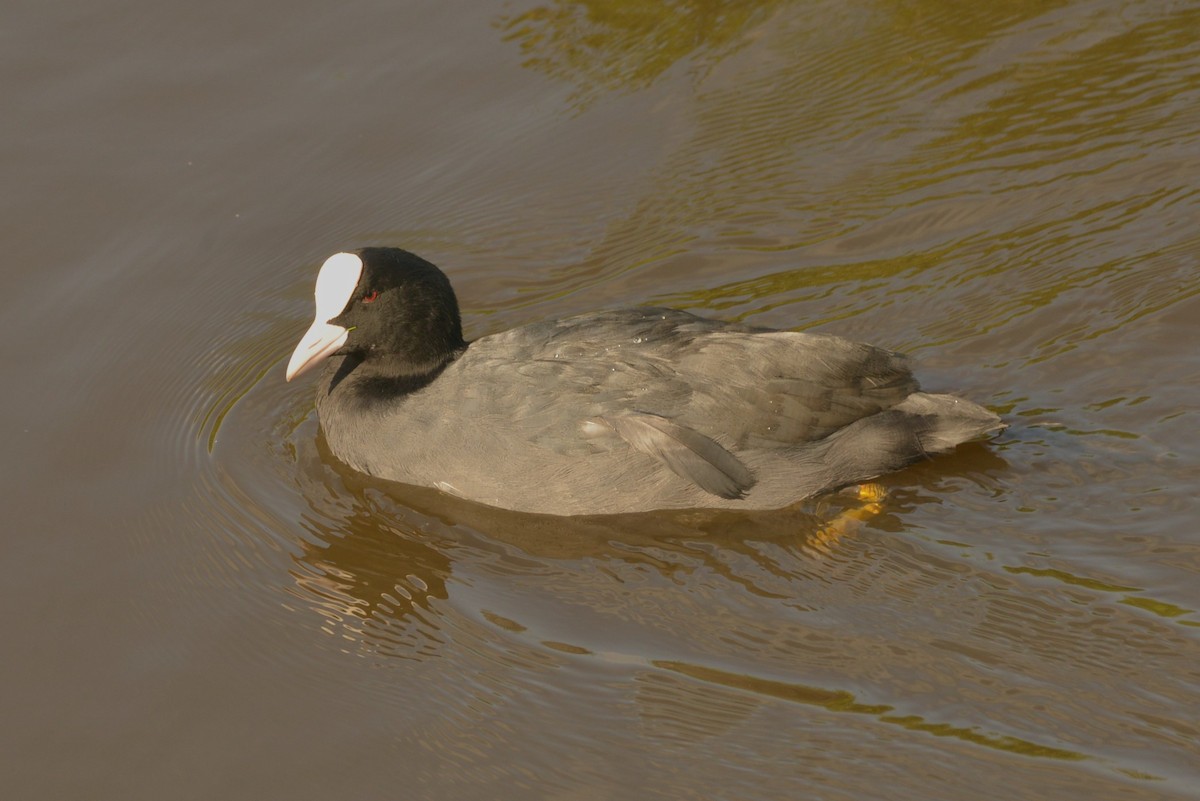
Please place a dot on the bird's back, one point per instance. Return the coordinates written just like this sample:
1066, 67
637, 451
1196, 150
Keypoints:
745, 387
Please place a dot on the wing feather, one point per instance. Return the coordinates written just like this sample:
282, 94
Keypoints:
689, 454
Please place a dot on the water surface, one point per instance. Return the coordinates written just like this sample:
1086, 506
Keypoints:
200, 602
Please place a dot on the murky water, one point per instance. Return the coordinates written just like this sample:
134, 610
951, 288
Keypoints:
200, 603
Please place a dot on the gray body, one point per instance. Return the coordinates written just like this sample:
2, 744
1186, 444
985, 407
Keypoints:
644, 409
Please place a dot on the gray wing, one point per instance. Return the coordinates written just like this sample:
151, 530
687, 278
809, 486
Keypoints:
687, 453
784, 388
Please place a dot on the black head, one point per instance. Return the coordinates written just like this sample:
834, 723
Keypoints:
385, 305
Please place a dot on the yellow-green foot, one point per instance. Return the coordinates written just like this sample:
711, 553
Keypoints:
870, 497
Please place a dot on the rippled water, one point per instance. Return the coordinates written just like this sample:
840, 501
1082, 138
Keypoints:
202, 603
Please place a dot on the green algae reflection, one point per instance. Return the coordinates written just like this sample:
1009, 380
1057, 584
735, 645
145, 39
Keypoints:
626, 44
842, 701
1160, 608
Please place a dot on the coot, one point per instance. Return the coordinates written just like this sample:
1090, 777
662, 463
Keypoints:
612, 411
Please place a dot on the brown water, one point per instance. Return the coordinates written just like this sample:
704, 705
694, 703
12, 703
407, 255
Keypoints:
199, 603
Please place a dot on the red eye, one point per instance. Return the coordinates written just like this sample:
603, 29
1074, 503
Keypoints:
370, 297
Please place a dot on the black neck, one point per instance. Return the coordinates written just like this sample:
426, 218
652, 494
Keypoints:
377, 377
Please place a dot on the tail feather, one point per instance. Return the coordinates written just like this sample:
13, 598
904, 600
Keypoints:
949, 421
922, 424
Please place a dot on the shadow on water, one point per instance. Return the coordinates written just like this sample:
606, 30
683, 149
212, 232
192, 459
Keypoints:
613, 45
387, 565
604, 46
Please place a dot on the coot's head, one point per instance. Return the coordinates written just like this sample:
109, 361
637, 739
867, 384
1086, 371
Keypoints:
382, 303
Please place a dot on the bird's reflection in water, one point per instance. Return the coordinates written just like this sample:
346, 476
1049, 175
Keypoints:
378, 565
